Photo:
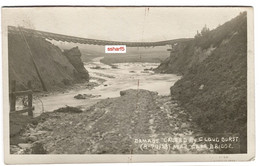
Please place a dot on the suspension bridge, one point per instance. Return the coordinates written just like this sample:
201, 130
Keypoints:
80, 40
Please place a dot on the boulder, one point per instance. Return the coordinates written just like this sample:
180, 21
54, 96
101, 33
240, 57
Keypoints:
74, 57
25, 146
32, 138
84, 96
80, 96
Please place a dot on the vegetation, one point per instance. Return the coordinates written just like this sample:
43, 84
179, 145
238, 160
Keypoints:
216, 36
214, 90
204, 32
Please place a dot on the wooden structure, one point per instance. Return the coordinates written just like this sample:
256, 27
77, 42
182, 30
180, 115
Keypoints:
12, 98
73, 39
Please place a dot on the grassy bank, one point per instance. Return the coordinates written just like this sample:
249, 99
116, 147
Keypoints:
214, 85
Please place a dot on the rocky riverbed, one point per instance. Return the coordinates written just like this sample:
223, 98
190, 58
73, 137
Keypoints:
112, 126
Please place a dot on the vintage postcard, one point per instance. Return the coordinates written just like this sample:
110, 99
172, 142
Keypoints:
128, 84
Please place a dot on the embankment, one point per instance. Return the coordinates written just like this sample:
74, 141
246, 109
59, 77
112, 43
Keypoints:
110, 127
35, 59
214, 84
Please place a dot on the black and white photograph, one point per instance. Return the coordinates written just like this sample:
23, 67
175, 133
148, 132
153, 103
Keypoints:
128, 81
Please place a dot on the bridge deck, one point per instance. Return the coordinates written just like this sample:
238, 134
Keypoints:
66, 38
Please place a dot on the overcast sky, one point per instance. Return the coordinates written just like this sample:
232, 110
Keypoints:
121, 24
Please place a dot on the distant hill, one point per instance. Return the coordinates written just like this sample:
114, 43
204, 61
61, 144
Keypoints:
139, 54
133, 54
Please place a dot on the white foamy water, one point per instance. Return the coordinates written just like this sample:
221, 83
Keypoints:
125, 76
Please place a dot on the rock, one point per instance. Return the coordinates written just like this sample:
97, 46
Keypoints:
184, 125
96, 67
145, 71
84, 96
38, 133
122, 93
24, 139
32, 130
201, 87
25, 146
41, 132
68, 109
79, 96
32, 138
73, 55
37, 148
91, 85
14, 149
114, 67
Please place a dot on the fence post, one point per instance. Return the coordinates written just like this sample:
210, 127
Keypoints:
12, 96
30, 112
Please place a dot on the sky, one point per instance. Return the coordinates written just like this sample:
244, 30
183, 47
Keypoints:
140, 24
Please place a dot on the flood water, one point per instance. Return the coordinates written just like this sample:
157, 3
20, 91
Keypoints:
115, 79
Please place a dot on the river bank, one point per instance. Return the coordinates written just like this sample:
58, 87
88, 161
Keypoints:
110, 127
105, 82
128, 111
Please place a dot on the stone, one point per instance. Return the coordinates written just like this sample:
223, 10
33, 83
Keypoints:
37, 148
184, 125
25, 146
32, 138
122, 93
84, 96
38, 133
14, 148
32, 130
79, 96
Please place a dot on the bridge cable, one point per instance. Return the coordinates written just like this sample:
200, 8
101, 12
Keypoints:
34, 64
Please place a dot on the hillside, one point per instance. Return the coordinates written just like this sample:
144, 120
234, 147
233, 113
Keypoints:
192, 52
53, 67
214, 83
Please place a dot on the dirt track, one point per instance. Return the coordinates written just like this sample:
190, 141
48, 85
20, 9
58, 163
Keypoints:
112, 126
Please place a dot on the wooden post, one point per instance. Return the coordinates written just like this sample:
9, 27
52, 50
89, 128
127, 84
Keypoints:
12, 96
30, 112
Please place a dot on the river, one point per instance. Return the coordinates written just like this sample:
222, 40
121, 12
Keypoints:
115, 79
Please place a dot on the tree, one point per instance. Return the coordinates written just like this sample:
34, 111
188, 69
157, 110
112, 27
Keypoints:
205, 30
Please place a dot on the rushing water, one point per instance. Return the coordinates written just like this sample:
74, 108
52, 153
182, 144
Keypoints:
124, 76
